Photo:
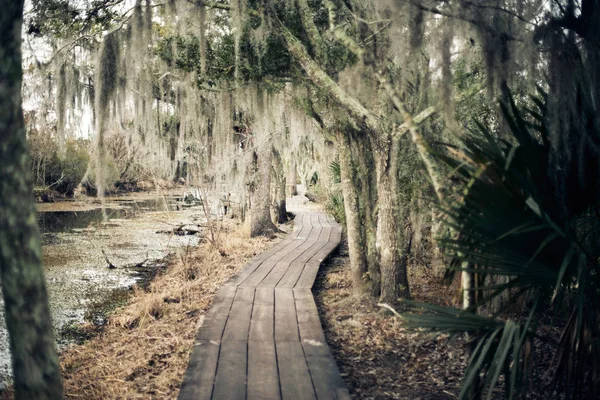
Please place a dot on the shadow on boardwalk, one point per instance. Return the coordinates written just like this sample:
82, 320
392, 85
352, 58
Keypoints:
262, 337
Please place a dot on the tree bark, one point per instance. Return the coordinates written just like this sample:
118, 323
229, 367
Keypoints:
394, 281
437, 260
280, 203
260, 195
307, 17
320, 78
367, 176
34, 360
293, 178
356, 245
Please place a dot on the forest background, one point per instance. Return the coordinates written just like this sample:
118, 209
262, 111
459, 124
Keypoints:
456, 136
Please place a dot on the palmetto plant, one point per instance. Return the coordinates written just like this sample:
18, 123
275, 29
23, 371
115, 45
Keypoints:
511, 224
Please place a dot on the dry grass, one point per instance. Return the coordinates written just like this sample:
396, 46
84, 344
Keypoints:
144, 351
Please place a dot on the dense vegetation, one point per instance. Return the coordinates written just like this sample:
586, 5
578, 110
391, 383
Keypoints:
453, 134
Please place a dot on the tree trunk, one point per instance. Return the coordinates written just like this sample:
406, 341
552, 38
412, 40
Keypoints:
280, 204
437, 260
394, 281
293, 178
35, 363
356, 246
367, 205
325, 83
260, 195
317, 43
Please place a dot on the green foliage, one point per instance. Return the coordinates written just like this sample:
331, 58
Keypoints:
65, 174
511, 223
335, 206
181, 51
111, 176
469, 83
335, 171
335, 199
64, 18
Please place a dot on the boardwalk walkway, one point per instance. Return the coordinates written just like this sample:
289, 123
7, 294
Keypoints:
262, 337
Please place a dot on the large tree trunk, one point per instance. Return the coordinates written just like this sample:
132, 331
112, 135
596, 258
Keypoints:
394, 281
34, 359
356, 246
293, 178
280, 203
260, 195
367, 176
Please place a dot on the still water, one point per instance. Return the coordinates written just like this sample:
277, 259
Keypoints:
76, 272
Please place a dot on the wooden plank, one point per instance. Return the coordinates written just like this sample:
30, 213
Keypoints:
309, 274
281, 268
264, 296
263, 377
260, 342
244, 295
301, 295
336, 234
327, 228
200, 374
256, 275
292, 273
238, 322
294, 377
216, 318
296, 268
230, 381
298, 224
325, 375
286, 326
261, 272
255, 262
306, 228
309, 324
276, 273
261, 325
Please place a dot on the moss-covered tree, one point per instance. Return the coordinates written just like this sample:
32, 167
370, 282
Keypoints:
35, 363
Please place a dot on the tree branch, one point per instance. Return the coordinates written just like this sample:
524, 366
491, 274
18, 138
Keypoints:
417, 138
475, 22
418, 120
311, 31
325, 82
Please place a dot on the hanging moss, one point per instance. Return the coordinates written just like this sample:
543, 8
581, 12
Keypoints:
107, 75
61, 104
446, 67
416, 27
202, 36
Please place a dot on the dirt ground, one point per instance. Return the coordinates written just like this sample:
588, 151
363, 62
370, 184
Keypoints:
377, 357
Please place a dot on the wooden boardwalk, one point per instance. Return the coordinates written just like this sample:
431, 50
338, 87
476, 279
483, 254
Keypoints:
262, 337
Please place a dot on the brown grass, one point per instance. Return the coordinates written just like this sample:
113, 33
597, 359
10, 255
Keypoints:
144, 350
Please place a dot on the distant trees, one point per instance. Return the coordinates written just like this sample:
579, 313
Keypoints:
35, 363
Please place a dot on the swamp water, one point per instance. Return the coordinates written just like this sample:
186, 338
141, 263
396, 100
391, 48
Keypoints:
77, 274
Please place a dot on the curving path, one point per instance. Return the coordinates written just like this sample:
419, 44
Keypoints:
262, 337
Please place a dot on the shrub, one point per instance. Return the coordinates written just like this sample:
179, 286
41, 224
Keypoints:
65, 174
